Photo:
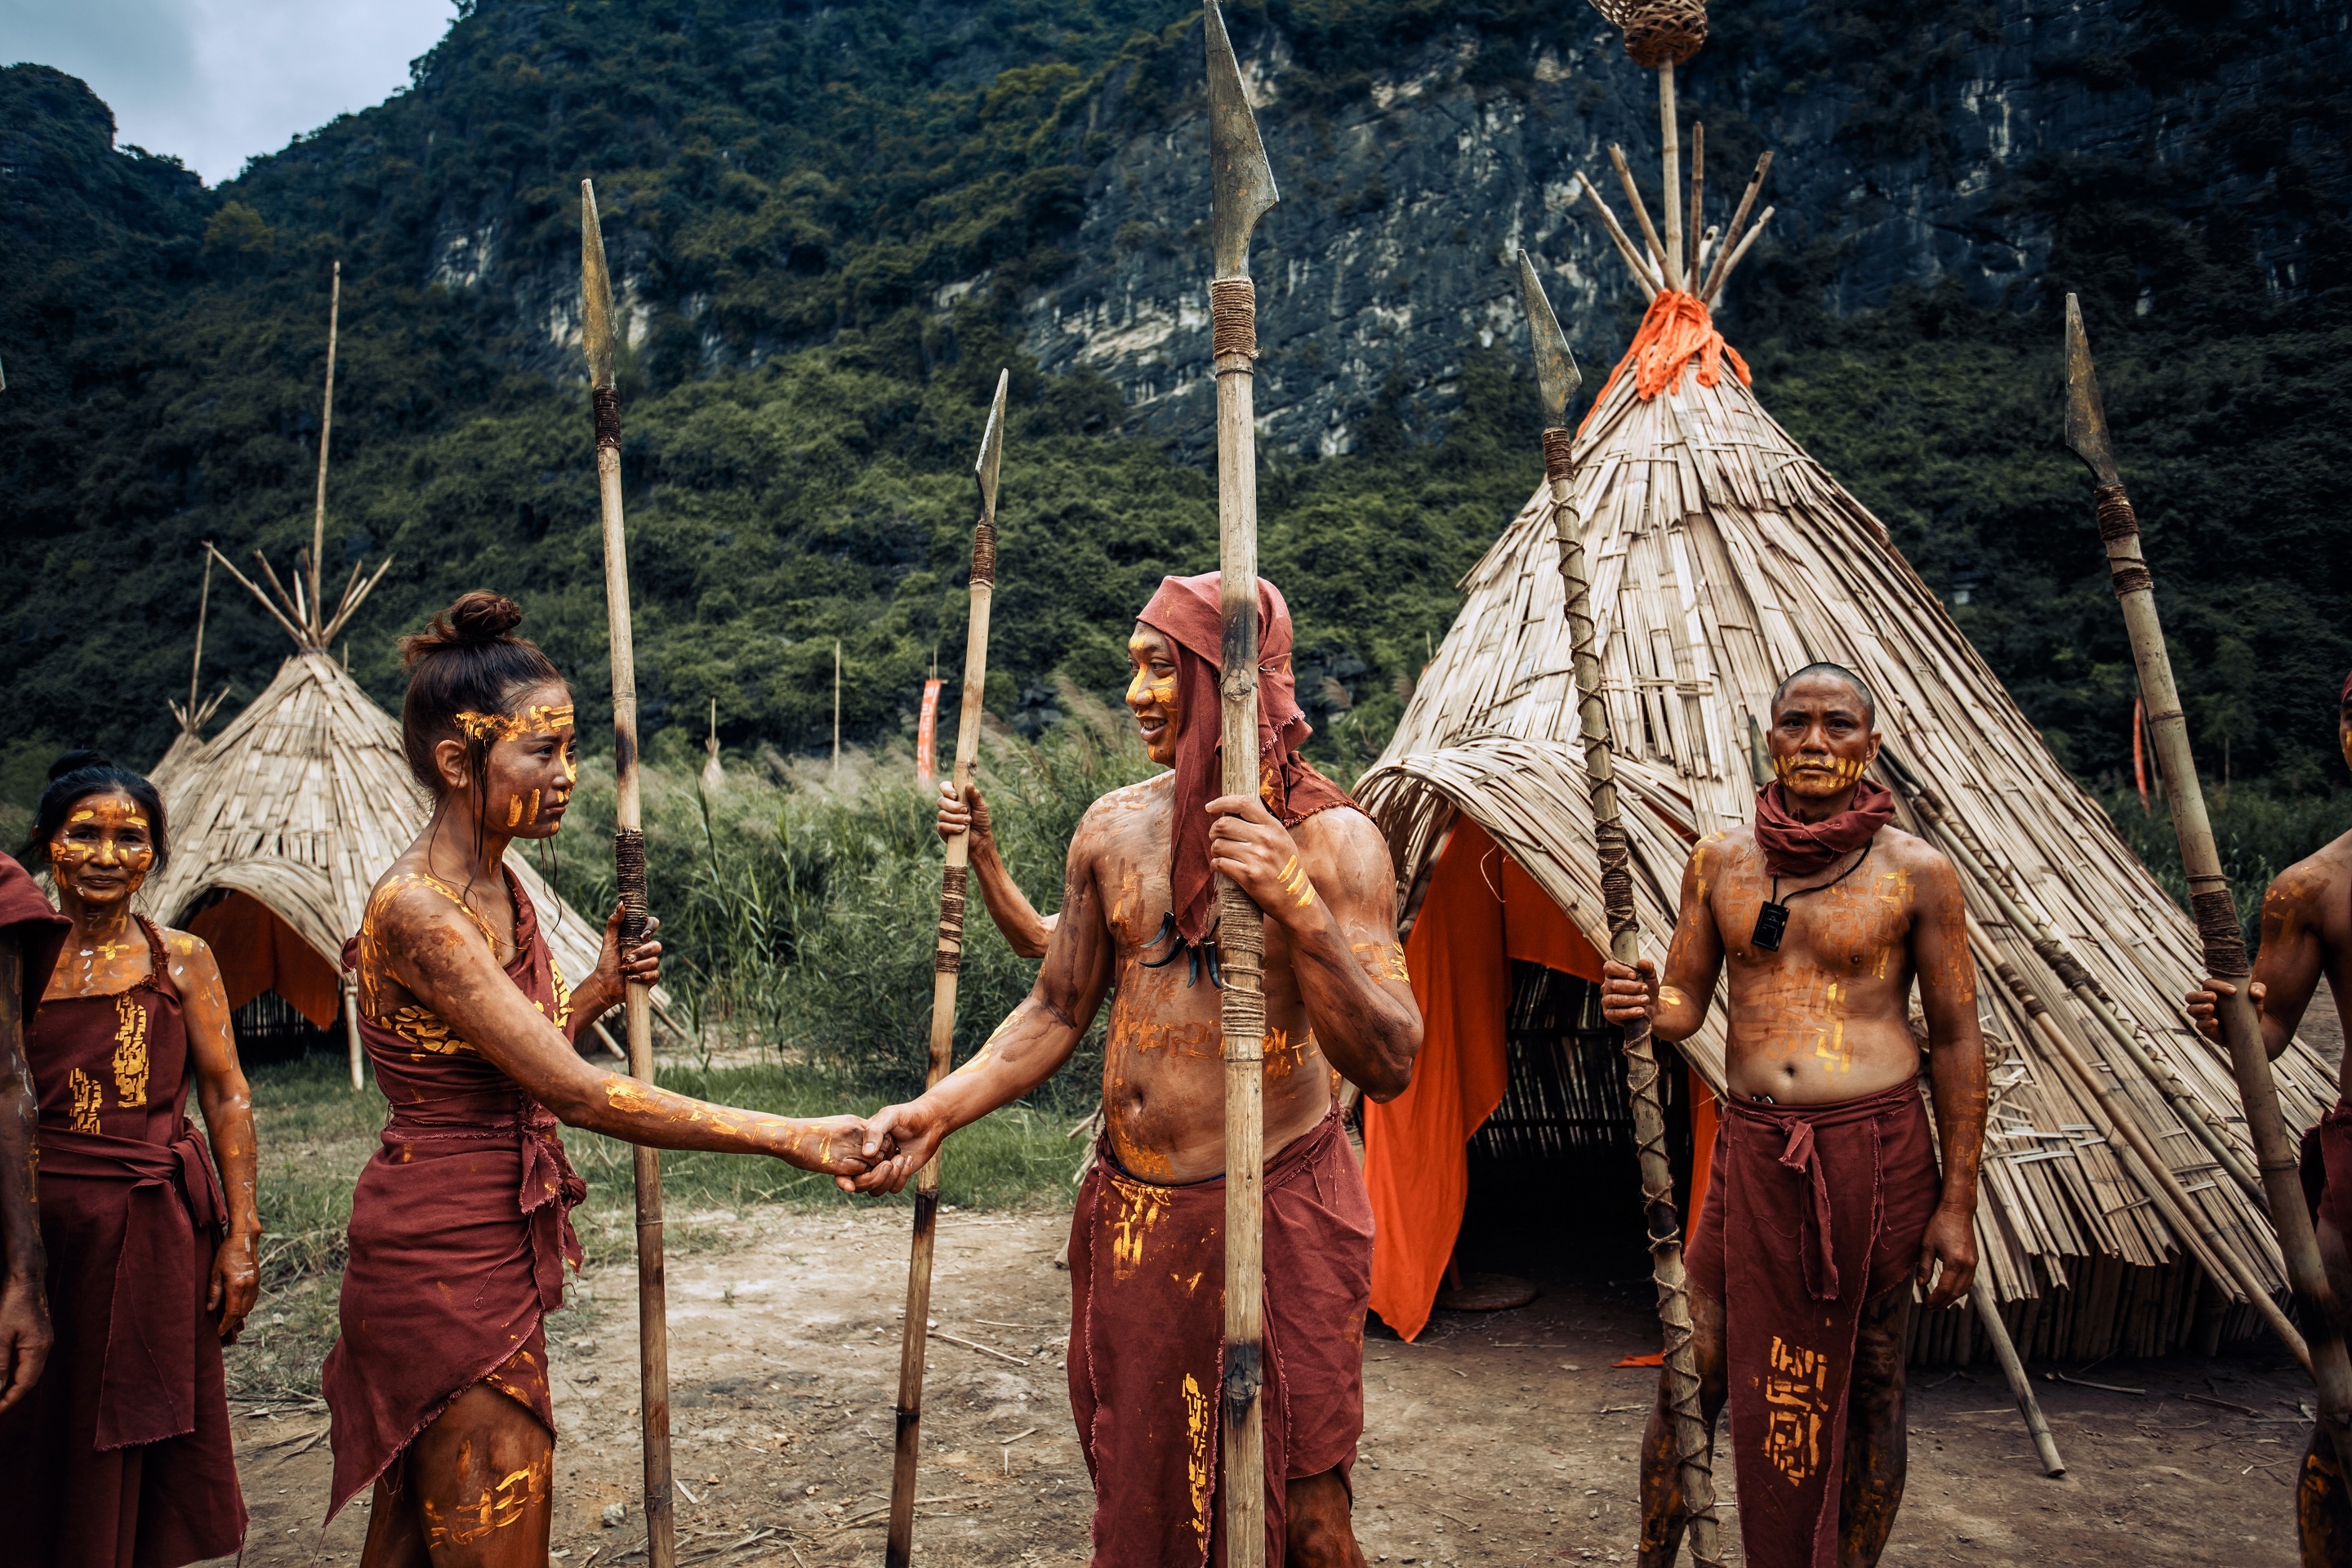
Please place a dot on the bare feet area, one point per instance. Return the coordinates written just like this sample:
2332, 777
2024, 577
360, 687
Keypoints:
1502, 1438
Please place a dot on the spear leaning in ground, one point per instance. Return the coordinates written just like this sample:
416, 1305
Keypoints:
1242, 183
2210, 900
1556, 380
947, 964
629, 870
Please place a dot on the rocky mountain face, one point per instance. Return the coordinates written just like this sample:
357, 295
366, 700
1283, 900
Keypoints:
1942, 144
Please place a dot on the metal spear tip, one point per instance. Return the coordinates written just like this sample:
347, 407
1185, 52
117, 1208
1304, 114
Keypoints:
1240, 178
595, 291
2086, 415
992, 448
1557, 377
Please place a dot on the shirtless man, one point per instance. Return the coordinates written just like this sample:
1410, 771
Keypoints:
2307, 931
1147, 1243
1826, 915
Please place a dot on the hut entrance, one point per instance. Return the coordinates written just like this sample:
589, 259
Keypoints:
1555, 1191
1512, 1152
283, 996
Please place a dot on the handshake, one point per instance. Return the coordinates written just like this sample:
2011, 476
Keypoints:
877, 1153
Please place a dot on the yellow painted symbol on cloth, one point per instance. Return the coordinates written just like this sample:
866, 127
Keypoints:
1797, 1409
1197, 1417
1139, 1210
85, 1092
130, 1052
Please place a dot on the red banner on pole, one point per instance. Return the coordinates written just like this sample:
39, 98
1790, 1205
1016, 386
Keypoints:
926, 735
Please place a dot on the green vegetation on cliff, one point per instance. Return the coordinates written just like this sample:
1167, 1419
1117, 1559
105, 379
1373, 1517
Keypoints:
790, 190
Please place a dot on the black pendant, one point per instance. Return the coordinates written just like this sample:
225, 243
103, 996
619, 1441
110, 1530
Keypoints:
1772, 921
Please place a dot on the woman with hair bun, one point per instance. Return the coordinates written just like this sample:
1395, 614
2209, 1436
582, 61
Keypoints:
121, 1457
460, 1225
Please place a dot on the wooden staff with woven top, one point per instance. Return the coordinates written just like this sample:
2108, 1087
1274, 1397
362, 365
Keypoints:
947, 964
1556, 380
2210, 900
1242, 182
629, 871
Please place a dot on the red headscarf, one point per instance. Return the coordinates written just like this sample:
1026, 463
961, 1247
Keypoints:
1793, 848
1185, 612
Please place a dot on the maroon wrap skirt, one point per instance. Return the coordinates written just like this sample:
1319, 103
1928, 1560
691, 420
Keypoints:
1147, 1338
1828, 1204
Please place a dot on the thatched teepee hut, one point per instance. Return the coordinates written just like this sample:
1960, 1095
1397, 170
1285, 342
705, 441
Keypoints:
281, 824
1722, 557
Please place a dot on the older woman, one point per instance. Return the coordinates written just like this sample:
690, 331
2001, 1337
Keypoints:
121, 1457
460, 1225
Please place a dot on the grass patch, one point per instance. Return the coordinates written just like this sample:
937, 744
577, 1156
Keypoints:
315, 1133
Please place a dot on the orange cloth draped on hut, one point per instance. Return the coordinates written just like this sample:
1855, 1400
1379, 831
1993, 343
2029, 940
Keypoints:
257, 952
1481, 911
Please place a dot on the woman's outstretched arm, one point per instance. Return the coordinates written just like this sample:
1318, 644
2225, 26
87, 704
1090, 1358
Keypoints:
434, 949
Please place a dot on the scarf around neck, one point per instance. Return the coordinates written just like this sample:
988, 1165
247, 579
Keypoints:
1797, 848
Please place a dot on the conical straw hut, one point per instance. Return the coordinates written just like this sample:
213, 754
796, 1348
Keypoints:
1722, 557
282, 823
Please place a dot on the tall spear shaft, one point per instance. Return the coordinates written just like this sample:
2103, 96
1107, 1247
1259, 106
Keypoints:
1242, 182
2210, 899
1556, 380
947, 965
629, 870
326, 431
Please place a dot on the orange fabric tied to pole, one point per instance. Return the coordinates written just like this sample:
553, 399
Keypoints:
926, 735
1677, 330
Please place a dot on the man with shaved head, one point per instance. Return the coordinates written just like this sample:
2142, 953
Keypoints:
1825, 1205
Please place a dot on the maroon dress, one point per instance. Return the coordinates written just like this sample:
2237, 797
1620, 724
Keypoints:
121, 1457
461, 1224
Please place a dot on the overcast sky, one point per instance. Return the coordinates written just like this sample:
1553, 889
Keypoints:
215, 83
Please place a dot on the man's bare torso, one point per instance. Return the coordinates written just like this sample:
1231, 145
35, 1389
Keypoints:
1163, 1072
1827, 1016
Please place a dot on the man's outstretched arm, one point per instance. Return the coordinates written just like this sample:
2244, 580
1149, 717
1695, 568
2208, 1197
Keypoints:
1676, 1007
25, 1335
1027, 1048
1956, 1061
1328, 884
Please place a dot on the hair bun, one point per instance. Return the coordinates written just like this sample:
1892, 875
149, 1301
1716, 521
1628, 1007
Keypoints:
479, 620
74, 761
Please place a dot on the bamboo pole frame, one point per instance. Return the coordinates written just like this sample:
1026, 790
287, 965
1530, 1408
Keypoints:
947, 965
629, 866
326, 434
2211, 902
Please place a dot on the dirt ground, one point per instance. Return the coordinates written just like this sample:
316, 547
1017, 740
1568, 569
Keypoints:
1501, 1440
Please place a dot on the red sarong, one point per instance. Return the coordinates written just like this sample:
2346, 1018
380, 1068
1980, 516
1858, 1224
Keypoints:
2327, 1169
461, 1225
1830, 1203
121, 1457
1147, 1338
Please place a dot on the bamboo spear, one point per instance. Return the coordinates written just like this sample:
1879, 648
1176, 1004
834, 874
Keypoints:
2210, 900
629, 870
1556, 380
947, 964
1242, 182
